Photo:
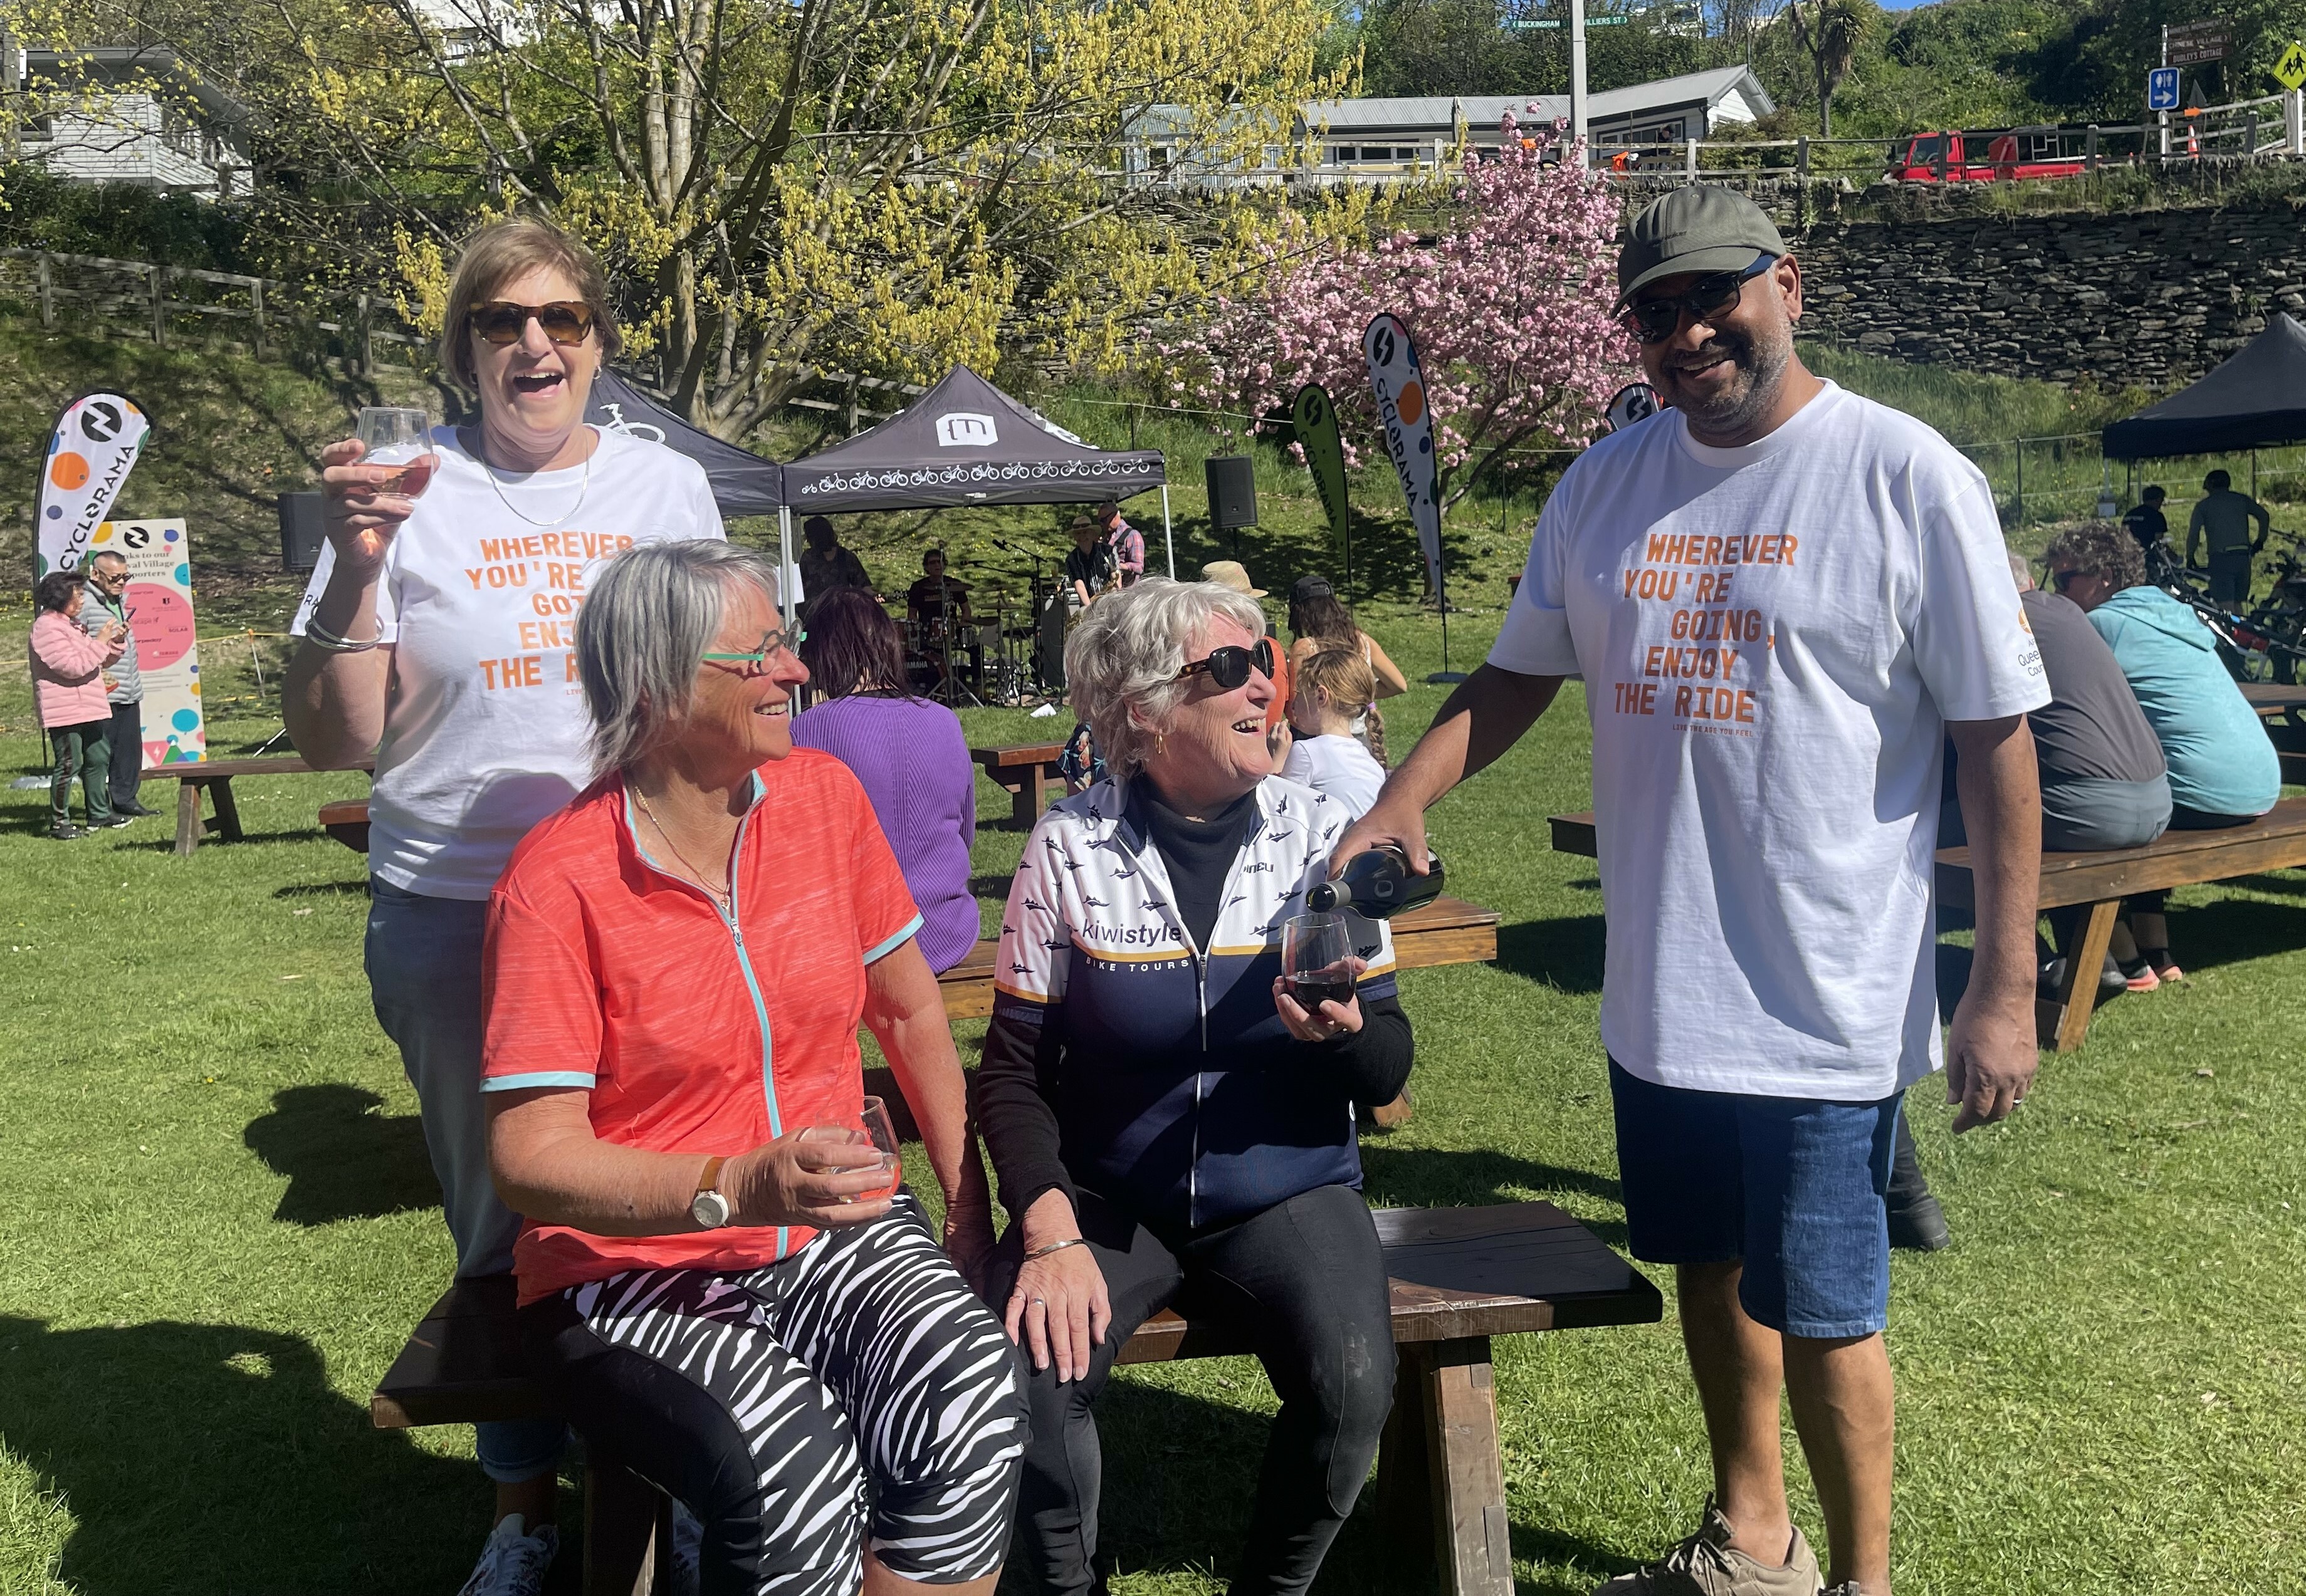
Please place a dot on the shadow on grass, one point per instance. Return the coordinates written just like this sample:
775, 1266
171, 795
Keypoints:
2233, 930
324, 889
2289, 886
216, 1457
167, 844
1180, 1480
1565, 954
344, 1160
1468, 1177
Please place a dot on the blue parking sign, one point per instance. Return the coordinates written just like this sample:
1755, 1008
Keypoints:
2162, 89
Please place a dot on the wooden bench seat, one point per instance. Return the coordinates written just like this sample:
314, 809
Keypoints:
1458, 1277
1445, 931
1025, 774
2275, 841
215, 777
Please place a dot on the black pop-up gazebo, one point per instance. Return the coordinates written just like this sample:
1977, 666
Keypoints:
965, 442
743, 482
2257, 397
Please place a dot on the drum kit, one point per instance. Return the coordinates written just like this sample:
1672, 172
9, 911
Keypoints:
1014, 658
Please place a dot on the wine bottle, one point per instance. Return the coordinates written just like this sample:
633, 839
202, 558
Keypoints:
1378, 883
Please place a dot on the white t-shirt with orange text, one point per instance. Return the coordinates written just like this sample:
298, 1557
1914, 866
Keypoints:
485, 724
1773, 638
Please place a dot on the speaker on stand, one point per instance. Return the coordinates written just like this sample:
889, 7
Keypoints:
303, 531
1233, 495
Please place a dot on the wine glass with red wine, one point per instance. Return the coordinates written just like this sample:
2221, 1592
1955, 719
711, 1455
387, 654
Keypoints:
402, 436
1317, 960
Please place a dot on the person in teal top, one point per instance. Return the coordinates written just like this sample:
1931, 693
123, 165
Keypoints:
2223, 771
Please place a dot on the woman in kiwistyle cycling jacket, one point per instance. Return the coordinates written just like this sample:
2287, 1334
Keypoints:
1168, 1126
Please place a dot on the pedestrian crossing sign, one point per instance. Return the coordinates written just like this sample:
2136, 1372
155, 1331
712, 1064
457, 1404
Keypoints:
2291, 68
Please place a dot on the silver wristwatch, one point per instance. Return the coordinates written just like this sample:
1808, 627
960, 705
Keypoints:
708, 1208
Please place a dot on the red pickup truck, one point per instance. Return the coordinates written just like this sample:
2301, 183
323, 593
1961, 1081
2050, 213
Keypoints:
2014, 156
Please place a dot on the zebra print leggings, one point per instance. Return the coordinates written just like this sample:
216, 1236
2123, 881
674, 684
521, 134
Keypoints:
857, 1389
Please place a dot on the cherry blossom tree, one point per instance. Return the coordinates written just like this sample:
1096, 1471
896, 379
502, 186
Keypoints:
1509, 306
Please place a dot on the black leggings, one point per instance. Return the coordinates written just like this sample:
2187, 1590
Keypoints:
1306, 1280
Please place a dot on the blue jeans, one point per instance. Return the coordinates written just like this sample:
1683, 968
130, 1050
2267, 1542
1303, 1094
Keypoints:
1791, 1187
423, 959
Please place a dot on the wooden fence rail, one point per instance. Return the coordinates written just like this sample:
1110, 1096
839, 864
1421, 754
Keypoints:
94, 284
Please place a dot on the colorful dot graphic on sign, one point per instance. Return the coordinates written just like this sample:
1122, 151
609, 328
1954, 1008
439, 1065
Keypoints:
1411, 404
68, 471
163, 623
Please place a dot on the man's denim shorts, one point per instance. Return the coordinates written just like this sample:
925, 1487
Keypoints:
1792, 1186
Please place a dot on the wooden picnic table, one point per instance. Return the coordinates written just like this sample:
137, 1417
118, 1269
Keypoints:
2275, 840
1025, 771
1445, 931
1457, 1277
215, 777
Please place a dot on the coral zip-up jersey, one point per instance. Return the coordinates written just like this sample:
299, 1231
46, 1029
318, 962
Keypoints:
692, 1030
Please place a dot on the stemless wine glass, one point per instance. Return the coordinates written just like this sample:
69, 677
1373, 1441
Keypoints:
882, 1131
397, 435
1317, 960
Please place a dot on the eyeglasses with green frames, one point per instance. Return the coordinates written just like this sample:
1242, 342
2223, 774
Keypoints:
771, 642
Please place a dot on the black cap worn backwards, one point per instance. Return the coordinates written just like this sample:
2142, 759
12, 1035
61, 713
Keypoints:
1701, 227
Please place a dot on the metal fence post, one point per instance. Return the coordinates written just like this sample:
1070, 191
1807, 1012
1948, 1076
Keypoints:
1801, 156
2090, 150
2250, 135
1691, 167
367, 348
48, 294
160, 306
2293, 118
256, 309
2017, 447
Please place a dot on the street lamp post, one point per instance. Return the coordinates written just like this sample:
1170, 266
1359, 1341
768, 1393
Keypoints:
1578, 78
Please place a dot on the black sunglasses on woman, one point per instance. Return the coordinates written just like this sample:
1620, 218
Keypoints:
1228, 666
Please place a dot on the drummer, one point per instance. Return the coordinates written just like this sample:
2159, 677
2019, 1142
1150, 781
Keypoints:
1088, 568
926, 600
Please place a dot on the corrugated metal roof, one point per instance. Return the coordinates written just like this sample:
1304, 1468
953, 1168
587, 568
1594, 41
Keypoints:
1436, 115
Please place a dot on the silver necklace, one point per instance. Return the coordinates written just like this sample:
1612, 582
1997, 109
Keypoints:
720, 895
584, 486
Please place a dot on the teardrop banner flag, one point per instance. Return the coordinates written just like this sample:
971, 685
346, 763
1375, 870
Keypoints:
1399, 387
90, 453
1315, 421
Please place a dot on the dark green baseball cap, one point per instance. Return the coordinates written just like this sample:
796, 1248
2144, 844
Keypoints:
1702, 228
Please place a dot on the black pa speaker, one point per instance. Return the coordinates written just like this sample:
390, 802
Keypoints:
302, 531
1233, 492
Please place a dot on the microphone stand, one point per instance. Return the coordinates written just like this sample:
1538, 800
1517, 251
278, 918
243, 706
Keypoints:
952, 682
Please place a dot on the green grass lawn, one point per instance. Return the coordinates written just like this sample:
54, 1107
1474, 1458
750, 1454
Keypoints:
217, 1225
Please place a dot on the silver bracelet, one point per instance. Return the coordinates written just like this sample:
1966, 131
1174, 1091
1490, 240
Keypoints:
328, 642
1055, 1247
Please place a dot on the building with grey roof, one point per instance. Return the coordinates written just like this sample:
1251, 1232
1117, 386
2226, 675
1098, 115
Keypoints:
1374, 139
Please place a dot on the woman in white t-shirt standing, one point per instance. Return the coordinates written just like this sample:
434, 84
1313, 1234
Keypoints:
1334, 685
437, 634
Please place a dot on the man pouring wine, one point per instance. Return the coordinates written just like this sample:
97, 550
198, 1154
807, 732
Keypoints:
1767, 822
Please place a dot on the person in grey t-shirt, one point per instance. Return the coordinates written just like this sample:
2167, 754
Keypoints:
2222, 521
108, 583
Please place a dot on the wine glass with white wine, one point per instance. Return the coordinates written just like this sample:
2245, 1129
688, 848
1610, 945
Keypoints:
400, 436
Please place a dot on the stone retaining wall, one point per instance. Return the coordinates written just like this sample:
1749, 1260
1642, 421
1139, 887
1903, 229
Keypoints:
2153, 299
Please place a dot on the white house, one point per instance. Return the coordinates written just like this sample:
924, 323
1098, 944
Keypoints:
1375, 139
132, 114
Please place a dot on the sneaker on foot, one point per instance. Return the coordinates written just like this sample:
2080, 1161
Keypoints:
1706, 1564
66, 832
110, 822
2164, 965
2141, 978
513, 1561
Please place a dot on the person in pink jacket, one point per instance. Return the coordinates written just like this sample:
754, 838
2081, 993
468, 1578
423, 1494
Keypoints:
68, 687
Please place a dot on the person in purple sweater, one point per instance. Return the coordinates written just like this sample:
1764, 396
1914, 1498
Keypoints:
906, 751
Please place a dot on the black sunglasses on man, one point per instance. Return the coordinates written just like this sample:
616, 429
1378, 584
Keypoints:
1653, 321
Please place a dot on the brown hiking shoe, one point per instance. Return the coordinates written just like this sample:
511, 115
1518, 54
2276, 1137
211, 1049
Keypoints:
1705, 1565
